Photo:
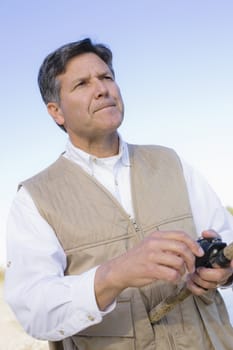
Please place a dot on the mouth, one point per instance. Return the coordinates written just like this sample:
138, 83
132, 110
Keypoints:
104, 106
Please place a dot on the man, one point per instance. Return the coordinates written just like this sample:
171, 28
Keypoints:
109, 230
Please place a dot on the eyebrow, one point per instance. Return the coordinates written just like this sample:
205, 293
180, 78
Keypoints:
79, 79
86, 78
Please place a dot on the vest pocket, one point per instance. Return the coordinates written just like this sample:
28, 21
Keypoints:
114, 332
104, 343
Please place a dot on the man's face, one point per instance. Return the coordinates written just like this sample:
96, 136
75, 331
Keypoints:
90, 101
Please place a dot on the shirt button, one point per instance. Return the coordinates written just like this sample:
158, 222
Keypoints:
8, 264
91, 318
61, 332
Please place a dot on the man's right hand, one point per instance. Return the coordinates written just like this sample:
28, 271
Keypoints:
163, 255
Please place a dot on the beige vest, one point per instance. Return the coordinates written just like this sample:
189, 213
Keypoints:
92, 227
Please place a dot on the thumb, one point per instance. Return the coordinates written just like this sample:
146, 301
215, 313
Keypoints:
210, 234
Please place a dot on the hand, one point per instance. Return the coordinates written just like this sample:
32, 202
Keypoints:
163, 255
204, 278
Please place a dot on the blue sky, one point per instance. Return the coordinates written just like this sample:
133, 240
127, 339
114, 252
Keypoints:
173, 61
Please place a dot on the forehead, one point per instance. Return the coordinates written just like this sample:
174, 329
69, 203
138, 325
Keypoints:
86, 63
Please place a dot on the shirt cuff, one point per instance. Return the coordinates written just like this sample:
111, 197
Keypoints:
87, 293
85, 311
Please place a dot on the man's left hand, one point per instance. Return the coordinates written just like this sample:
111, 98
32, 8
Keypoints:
204, 278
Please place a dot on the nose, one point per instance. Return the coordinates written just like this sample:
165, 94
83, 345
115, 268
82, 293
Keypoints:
100, 88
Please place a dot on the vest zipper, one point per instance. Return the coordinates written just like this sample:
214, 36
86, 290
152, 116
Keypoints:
137, 229
135, 225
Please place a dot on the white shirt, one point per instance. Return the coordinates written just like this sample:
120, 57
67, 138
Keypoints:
52, 306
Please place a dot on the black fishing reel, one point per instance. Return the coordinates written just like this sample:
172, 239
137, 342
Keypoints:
213, 248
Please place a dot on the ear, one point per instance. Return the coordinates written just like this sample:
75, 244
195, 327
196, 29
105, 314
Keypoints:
56, 113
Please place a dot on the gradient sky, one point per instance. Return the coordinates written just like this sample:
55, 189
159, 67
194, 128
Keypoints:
173, 61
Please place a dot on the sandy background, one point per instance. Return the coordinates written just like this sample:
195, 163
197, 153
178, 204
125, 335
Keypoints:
12, 335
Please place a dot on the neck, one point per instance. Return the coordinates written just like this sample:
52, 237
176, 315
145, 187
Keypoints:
103, 147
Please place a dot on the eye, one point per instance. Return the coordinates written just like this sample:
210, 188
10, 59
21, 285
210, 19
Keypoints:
108, 77
80, 83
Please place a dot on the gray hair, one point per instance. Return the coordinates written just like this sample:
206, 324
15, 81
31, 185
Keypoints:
55, 63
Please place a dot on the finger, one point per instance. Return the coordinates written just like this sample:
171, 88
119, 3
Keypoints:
205, 284
218, 275
181, 237
177, 248
169, 260
210, 234
166, 273
194, 288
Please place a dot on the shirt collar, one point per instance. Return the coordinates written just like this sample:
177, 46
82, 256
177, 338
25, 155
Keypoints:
77, 155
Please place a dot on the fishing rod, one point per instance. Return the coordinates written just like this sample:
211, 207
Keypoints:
216, 252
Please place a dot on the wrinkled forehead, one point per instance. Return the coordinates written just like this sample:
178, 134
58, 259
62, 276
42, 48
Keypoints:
85, 63
84, 66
